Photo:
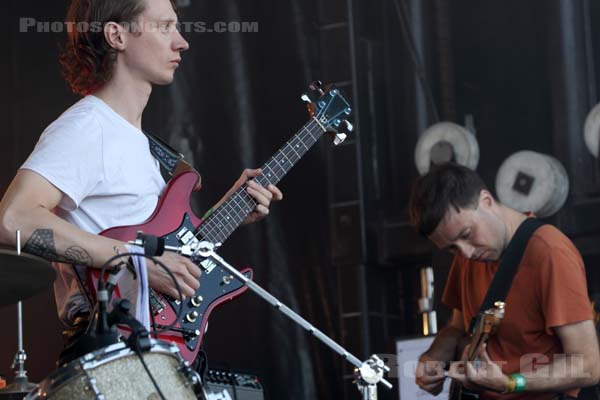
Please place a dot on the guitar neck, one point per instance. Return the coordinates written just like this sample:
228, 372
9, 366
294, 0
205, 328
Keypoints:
224, 220
476, 343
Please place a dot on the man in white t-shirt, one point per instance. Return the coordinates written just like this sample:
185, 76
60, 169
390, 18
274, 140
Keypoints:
92, 168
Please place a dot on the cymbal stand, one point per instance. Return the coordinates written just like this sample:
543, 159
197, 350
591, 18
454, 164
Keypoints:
368, 373
21, 384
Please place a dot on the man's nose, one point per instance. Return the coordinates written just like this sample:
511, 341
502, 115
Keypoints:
466, 249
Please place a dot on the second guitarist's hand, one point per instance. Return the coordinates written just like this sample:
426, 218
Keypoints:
430, 374
185, 271
480, 374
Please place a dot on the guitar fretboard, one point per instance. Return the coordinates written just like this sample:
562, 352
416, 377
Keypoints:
219, 225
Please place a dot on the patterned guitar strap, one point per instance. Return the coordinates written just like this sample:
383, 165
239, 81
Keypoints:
171, 160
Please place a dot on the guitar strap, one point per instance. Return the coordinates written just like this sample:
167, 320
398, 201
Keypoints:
165, 154
509, 265
170, 159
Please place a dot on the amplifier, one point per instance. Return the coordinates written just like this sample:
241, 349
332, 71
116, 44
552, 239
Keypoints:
229, 385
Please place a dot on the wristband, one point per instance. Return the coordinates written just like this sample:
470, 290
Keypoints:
520, 382
510, 385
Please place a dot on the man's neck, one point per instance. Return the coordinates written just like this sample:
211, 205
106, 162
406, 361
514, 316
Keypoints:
512, 219
126, 97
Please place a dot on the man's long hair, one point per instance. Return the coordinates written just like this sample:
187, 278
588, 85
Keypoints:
446, 185
87, 59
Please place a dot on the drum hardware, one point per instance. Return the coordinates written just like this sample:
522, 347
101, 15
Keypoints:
20, 269
368, 373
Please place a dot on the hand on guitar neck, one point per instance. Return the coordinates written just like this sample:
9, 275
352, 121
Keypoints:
476, 371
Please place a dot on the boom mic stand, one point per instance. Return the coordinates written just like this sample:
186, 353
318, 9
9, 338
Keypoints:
368, 373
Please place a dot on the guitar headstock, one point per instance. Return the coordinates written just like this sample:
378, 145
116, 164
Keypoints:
491, 318
328, 106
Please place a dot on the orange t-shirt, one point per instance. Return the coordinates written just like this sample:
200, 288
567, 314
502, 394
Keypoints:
548, 290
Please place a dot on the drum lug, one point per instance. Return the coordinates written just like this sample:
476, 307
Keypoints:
192, 378
93, 386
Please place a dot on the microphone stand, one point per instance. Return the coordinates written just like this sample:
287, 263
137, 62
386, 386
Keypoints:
368, 373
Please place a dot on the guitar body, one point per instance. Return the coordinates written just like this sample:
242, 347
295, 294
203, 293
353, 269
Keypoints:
172, 216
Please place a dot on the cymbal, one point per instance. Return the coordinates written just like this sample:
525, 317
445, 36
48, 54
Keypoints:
22, 276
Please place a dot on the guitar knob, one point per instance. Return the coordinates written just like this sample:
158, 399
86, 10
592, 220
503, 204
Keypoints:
191, 316
227, 279
196, 300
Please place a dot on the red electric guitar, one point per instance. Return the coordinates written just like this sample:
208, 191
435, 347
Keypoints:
174, 221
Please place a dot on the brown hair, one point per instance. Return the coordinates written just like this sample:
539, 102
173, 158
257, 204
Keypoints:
446, 185
86, 58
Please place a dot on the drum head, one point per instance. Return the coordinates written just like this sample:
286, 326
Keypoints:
443, 142
591, 130
531, 181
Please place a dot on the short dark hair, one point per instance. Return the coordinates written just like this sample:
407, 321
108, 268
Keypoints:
445, 185
87, 59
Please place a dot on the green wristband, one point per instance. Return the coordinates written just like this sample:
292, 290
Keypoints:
520, 382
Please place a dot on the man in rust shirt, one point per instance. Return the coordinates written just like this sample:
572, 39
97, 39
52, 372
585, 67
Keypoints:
546, 345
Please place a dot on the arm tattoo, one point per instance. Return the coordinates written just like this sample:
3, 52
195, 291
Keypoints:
41, 243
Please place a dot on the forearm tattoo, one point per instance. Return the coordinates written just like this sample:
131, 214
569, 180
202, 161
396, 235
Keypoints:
41, 243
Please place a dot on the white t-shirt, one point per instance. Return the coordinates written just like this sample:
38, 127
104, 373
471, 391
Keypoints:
103, 166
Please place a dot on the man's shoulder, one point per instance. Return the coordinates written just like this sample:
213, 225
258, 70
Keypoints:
78, 121
548, 237
549, 243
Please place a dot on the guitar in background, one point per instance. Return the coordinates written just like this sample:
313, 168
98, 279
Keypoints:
486, 325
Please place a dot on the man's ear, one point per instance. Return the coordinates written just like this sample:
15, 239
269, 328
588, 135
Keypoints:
114, 34
486, 198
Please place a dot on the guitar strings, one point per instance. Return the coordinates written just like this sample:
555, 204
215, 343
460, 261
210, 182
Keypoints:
241, 203
232, 205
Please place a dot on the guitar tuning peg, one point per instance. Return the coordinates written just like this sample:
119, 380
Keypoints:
339, 138
349, 126
305, 98
317, 87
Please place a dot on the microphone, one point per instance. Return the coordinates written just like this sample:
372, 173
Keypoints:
153, 245
99, 333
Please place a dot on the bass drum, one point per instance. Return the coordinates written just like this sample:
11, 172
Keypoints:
116, 372
531, 181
